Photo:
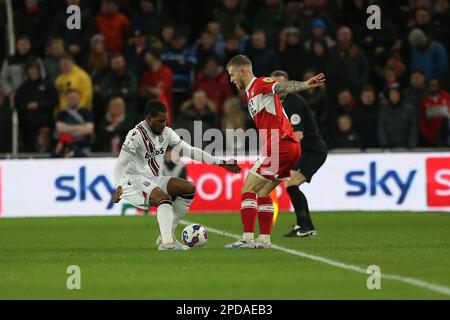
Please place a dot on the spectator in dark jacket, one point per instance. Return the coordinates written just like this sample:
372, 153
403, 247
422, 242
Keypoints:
5, 123
34, 20
427, 55
350, 67
345, 137
416, 90
264, 59
292, 53
365, 117
148, 18
51, 61
13, 71
199, 110
271, 18
76, 40
181, 60
36, 100
230, 16
114, 126
397, 123
120, 82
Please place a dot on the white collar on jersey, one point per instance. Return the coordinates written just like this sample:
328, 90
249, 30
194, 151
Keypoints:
249, 85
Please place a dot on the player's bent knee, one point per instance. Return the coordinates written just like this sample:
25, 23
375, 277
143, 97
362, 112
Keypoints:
190, 188
158, 195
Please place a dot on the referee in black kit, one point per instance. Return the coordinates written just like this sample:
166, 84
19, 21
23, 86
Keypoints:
314, 154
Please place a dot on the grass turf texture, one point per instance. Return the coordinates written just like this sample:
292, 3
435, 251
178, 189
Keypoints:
119, 260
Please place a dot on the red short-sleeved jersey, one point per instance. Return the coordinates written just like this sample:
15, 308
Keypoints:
267, 111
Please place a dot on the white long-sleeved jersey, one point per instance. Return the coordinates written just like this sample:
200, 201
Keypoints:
143, 152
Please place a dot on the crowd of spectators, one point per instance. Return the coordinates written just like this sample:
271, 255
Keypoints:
78, 91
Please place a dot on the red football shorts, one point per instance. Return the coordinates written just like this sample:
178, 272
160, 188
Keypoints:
277, 162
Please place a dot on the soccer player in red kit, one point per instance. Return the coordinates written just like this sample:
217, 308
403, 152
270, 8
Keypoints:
280, 147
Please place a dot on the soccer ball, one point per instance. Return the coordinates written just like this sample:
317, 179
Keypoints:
194, 235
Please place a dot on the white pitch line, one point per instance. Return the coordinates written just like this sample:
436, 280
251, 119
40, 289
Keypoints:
414, 282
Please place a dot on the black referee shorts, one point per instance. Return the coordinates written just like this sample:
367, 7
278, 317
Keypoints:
310, 162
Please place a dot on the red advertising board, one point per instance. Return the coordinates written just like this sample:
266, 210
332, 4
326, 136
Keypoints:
438, 182
218, 190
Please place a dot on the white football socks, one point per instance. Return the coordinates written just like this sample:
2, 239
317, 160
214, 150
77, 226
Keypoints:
180, 209
164, 214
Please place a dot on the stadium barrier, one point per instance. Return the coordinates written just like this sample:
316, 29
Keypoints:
83, 187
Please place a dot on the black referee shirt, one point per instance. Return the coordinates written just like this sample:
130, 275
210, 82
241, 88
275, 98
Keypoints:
299, 114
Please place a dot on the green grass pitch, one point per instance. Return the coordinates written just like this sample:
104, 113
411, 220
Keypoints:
119, 260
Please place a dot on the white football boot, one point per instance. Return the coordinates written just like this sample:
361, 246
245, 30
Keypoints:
241, 244
175, 246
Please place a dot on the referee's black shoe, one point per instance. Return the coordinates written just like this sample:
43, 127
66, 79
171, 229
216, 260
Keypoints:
300, 231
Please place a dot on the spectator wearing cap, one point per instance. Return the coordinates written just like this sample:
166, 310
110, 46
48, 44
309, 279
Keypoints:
147, 18
264, 59
73, 77
427, 55
310, 12
120, 81
213, 79
13, 71
349, 65
76, 40
397, 122
113, 25
5, 123
292, 53
181, 60
319, 33
135, 52
36, 100
156, 81
76, 124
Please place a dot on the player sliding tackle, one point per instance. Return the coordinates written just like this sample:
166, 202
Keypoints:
136, 173
280, 152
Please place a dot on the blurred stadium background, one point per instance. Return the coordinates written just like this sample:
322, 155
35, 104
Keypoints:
384, 113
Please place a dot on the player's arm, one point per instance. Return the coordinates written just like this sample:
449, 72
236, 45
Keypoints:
202, 156
119, 171
296, 86
299, 135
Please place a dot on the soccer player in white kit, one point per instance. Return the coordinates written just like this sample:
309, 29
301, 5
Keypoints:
136, 173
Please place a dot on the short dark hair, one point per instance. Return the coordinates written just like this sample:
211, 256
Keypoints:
153, 107
239, 61
280, 73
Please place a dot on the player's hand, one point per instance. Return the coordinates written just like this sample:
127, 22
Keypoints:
231, 165
117, 195
316, 81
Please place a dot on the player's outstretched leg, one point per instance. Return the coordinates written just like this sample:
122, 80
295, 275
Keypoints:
265, 218
164, 214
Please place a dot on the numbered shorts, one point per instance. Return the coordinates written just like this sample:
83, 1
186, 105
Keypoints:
137, 189
278, 166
